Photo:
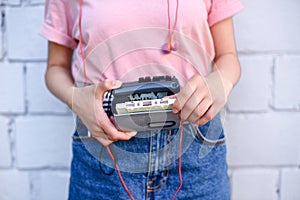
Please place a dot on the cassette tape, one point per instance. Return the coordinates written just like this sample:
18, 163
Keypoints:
141, 106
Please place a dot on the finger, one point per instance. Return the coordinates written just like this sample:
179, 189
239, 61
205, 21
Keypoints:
188, 107
104, 141
184, 95
112, 132
169, 97
131, 134
106, 85
193, 103
209, 115
200, 110
101, 137
107, 125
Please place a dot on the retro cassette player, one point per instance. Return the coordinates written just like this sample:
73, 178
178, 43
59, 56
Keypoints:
140, 105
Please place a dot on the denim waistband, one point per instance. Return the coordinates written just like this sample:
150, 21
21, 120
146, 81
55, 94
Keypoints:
211, 133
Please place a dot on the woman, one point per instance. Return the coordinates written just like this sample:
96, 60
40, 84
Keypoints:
118, 41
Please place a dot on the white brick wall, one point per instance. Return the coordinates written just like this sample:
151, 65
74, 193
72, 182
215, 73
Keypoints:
23, 41
263, 140
256, 93
14, 185
5, 154
51, 185
287, 91
37, 1
12, 88
290, 181
248, 184
37, 94
1, 48
40, 143
11, 2
262, 120
269, 26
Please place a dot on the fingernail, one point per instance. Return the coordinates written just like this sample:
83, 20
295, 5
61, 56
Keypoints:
131, 133
174, 110
116, 83
168, 97
172, 96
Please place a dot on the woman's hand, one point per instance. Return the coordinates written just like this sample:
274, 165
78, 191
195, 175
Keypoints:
87, 104
202, 98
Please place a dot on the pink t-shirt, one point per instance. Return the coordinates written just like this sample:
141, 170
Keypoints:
123, 39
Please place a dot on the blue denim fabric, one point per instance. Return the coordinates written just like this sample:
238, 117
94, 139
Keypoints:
150, 169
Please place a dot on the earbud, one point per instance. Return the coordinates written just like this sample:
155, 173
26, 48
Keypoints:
168, 47
171, 45
175, 45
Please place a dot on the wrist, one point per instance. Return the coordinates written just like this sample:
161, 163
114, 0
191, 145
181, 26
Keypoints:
225, 84
70, 93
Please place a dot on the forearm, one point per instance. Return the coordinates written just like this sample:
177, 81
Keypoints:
228, 68
59, 81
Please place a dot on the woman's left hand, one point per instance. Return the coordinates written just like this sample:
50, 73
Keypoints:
202, 98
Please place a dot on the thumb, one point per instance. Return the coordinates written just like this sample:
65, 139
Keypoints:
108, 85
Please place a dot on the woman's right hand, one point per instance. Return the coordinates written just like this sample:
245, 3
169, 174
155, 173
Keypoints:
87, 103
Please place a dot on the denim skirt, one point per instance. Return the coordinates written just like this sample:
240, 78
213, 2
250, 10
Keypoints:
149, 165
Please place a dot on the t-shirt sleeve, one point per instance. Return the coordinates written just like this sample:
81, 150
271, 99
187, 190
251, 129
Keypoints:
222, 9
58, 24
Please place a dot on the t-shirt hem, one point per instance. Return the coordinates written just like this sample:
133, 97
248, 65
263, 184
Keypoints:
53, 35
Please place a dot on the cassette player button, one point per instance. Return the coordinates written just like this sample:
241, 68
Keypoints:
144, 79
141, 79
147, 79
158, 78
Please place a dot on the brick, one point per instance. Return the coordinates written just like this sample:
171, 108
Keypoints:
11, 2
37, 1
5, 154
52, 185
263, 140
23, 25
254, 184
1, 43
290, 182
252, 91
1, 47
43, 141
40, 100
287, 82
274, 30
12, 88
14, 185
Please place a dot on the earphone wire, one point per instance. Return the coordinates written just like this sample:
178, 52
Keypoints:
171, 32
80, 43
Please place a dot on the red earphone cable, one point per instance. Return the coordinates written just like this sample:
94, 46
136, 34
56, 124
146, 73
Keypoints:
119, 172
80, 42
179, 160
171, 32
